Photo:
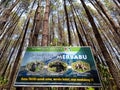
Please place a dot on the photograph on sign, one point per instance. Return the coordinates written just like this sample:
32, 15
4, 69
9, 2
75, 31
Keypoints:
58, 66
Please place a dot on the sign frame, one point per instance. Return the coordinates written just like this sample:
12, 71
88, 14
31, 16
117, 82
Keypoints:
59, 78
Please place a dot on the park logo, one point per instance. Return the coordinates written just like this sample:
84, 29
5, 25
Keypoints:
67, 49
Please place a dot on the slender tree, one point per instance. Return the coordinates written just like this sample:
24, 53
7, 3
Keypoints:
6, 14
109, 61
36, 26
67, 22
61, 22
45, 25
105, 11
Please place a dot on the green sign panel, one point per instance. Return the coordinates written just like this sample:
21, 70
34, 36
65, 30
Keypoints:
58, 66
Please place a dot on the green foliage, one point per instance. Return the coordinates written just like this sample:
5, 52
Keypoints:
106, 76
3, 81
54, 42
108, 3
90, 88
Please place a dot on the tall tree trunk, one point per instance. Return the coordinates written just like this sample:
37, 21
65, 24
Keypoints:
75, 38
36, 26
60, 30
109, 17
68, 26
117, 3
16, 63
6, 14
115, 73
108, 25
45, 25
82, 43
52, 32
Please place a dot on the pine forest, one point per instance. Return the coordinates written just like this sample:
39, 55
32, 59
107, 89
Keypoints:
94, 23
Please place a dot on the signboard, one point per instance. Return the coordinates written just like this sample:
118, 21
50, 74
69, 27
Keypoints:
58, 66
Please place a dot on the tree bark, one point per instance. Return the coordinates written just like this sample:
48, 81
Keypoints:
82, 43
115, 73
6, 14
105, 11
36, 25
107, 24
45, 25
67, 21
